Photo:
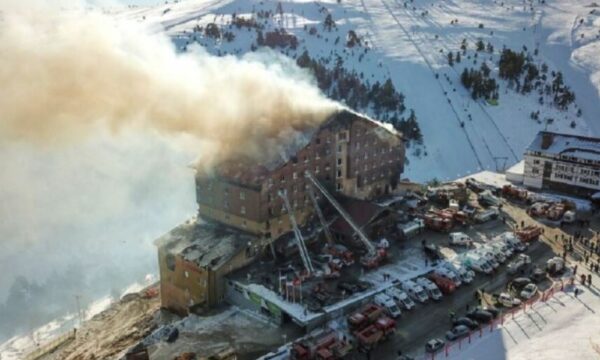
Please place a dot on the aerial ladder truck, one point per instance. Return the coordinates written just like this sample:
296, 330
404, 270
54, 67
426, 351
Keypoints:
374, 256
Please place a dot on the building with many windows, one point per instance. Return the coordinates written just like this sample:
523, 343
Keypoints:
350, 154
241, 212
563, 163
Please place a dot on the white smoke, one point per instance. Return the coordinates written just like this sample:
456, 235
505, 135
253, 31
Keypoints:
99, 119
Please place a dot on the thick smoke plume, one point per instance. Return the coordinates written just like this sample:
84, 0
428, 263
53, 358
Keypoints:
63, 72
80, 219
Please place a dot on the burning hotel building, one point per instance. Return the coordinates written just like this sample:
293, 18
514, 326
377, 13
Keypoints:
246, 206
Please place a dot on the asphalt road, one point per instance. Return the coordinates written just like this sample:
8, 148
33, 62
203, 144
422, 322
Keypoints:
432, 319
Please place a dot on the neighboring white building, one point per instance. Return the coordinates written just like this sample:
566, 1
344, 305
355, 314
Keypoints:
565, 163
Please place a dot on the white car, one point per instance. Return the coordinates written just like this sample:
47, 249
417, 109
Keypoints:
529, 291
508, 301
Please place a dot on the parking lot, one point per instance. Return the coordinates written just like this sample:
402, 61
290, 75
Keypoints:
432, 319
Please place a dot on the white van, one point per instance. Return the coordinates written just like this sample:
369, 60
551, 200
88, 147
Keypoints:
388, 304
432, 290
416, 292
477, 263
400, 297
449, 274
461, 239
466, 276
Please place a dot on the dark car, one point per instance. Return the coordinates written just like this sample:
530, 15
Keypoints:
519, 283
495, 312
349, 287
434, 345
363, 285
475, 185
481, 316
470, 323
537, 274
519, 247
458, 332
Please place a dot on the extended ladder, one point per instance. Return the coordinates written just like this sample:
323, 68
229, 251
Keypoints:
299, 239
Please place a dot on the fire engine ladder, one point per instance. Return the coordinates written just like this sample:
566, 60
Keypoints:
370, 247
320, 215
299, 239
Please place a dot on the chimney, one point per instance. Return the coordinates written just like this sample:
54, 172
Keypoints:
547, 139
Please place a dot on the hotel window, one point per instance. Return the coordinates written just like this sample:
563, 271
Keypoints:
243, 210
242, 195
316, 170
339, 186
295, 175
339, 173
339, 161
339, 148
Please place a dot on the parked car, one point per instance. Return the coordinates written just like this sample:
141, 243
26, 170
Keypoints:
460, 239
349, 287
400, 297
537, 274
466, 275
476, 262
519, 264
495, 312
486, 198
481, 316
508, 301
470, 323
519, 283
457, 332
448, 274
529, 291
555, 266
432, 290
434, 345
388, 304
415, 291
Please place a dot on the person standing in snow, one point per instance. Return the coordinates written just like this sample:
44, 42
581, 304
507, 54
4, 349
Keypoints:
589, 280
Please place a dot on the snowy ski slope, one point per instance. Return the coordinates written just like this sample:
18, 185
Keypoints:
411, 48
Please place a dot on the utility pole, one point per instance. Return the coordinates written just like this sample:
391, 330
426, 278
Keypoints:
79, 315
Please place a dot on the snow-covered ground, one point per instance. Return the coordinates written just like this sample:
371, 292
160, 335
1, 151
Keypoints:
410, 48
565, 327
